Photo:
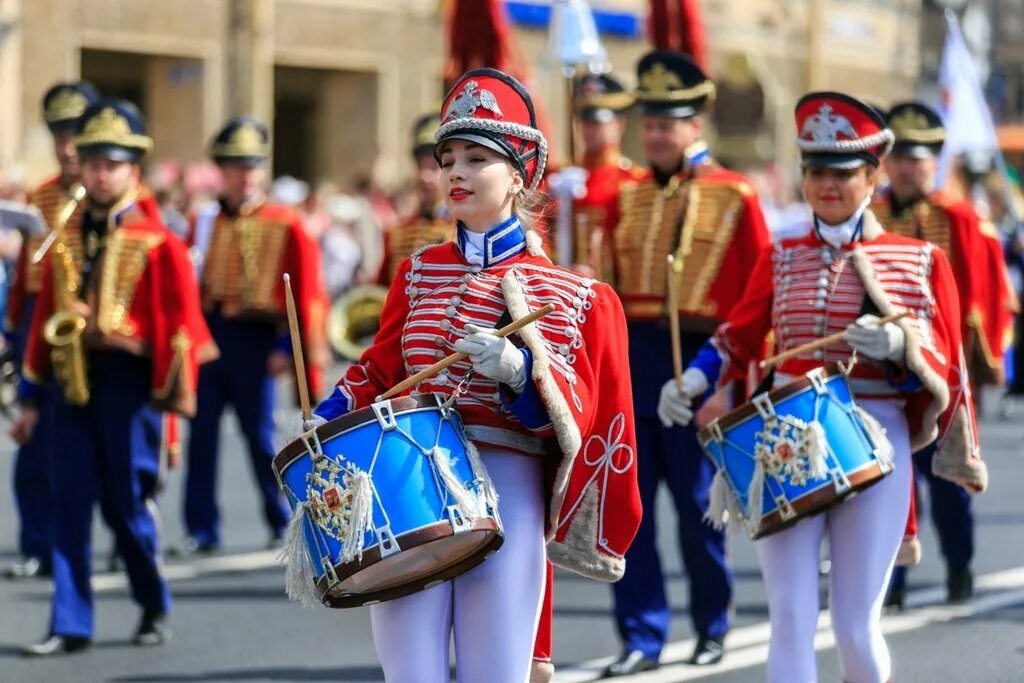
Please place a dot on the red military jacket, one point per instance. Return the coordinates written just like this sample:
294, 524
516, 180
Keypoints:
711, 220
142, 299
580, 372
243, 260
597, 212
804, 290
986, 298
408, 236
50, 198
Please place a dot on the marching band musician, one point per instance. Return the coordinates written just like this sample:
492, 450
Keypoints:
62, 105
912, 206
600, 106
843, 276
556, 398
431, 223
241, 252
121, 329
711, 219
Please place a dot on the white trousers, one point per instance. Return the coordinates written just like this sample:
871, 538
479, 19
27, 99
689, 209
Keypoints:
491, 610
864, 534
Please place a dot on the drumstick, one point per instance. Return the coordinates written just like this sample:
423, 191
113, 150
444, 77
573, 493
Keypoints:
820, 343
300, 363
440, 365
673, 322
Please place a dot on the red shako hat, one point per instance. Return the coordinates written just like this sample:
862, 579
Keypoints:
840, 131
491, 108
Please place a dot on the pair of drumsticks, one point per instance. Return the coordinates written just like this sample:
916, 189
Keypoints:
408, 383
674, 276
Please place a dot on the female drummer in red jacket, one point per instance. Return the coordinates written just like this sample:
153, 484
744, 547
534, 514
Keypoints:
843, 276
549, 411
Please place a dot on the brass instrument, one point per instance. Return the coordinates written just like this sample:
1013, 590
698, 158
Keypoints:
354, 320
63, 331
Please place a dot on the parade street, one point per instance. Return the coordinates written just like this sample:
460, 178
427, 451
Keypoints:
232, 621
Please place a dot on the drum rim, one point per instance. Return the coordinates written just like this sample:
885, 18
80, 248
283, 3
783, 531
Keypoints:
297, 448
748, 410
407, 541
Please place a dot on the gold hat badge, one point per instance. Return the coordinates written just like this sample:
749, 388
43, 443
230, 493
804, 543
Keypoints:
658, 83
246, 141
913, 126
66, 104
111, 128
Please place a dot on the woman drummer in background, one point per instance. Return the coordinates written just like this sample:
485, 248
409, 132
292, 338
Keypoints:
529, 404
844, 276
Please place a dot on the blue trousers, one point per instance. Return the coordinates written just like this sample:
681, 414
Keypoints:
950, 507
238, 377
642, 612
101, 450
32, 482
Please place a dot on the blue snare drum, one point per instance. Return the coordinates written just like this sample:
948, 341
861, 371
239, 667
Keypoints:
795, 452
392, 499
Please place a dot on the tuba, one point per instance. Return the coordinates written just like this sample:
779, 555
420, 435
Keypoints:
355, 319
63, 331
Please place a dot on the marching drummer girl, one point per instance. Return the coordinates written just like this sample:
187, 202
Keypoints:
845, 275
550, 405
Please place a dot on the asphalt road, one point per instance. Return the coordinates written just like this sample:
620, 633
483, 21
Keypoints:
232, 621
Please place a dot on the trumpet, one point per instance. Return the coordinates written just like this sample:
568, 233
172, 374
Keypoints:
354, 320
63, 330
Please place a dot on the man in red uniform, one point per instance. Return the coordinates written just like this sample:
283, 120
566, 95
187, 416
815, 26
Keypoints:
62, 105
431, 223
241, 253
121, 330
711, 220
911, 206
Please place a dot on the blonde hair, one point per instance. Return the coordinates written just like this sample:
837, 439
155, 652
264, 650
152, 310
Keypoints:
532, 207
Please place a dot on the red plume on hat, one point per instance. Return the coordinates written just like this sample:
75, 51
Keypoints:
840, 131
490, 108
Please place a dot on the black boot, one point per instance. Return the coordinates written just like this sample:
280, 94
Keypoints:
153, 629
894, 599
631, 662
191, 547
708, 651
55, 644
959, 584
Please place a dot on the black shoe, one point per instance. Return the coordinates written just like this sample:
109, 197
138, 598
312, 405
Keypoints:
190, 546
959, 584
28, 568
632, 662
153, 629
894, 599
57, 645
708, 651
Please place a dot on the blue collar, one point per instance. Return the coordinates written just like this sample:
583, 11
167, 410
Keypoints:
501, 242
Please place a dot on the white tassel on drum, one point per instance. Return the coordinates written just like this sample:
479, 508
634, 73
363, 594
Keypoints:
722, 507
480, 470
464, 498
360, 519
755, 496
884, 450
299, 576
817, 451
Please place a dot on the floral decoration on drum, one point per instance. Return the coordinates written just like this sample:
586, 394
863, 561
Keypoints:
791, 449
340, 502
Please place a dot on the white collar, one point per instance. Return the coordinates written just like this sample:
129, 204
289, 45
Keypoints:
842, 234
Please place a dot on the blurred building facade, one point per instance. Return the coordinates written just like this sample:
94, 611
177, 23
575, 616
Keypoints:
342, 79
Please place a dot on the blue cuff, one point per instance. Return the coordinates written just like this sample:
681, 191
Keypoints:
333, 406
902, 379
527, 406
28, 392
708, 361
283, 343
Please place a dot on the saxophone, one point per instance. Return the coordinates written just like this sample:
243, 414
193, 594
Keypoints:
63, 331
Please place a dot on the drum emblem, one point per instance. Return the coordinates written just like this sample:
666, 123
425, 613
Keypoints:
789, 448
334, 491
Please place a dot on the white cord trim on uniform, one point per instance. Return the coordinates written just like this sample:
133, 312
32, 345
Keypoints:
503, 128
860, 145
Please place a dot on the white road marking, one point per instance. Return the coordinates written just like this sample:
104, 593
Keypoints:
748, 645
205, 566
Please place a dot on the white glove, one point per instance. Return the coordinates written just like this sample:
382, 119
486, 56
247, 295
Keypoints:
494, 357
675, 404
299, 426
880, 342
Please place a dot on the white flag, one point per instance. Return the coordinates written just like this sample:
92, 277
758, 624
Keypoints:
965, 113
